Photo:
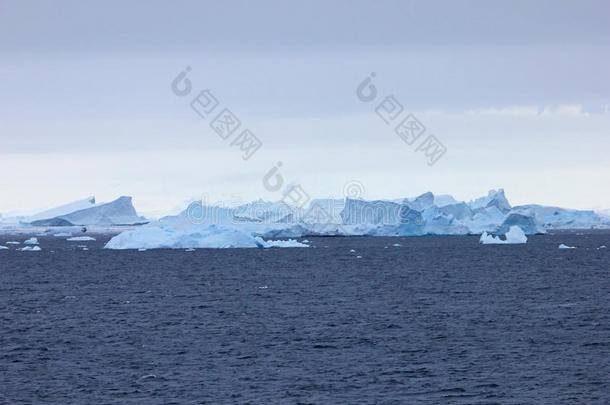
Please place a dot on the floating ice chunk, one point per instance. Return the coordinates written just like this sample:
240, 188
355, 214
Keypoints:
602, 247
80, 239
396, 244
190, 250
280, 243
63, 234
358, 257
352, 251
562, 246
31, 241
305, 241
13, 243
3, 247
208, 236
142, 250
514, 235
31, 249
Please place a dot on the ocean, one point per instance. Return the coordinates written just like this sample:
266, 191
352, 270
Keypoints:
379, 320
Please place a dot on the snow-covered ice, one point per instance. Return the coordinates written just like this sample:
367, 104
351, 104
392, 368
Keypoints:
211, 236
62, 234
31, 241
515, 235
30, 249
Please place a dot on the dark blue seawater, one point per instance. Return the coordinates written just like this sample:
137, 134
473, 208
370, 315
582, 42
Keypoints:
437, 320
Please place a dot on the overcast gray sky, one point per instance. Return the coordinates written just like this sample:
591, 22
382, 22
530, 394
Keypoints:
518, 92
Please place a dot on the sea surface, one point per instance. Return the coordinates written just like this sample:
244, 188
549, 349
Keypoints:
438, 320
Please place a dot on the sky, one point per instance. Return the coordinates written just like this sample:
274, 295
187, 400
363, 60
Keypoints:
517, 93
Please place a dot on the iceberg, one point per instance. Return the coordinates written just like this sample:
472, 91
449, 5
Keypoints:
207, 236
494, 198
203, 225
563, 218
62, 234
30, 249
80, 239
116, 213
31, 241
62, 210
514, 235
528, 224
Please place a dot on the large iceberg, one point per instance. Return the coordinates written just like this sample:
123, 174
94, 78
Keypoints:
562, 218
256, 223
115, 213
158, 237
62, 210
197, 236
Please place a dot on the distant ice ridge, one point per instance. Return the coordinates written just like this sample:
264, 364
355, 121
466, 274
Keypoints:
84, 213
514, 235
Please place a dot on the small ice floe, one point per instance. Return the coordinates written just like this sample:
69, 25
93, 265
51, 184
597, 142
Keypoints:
63, 235
602, 247
85, 248
352, 251
3, 247
80, 239
13, 243
396, 245
31, 241
562, 246
263, 287
358, 257
142, 250
31, 249
515, 235
190, 250
148, 376
304, 241
280, 243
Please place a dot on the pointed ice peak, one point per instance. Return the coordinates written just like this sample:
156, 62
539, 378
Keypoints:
494, 198
422, 202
